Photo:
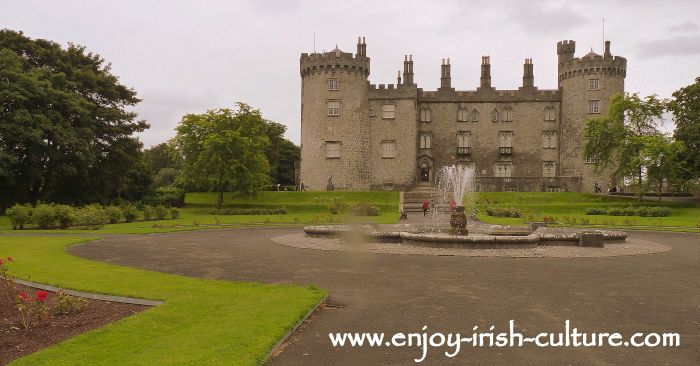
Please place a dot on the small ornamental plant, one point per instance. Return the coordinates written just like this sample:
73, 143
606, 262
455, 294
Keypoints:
7, 283
32, 310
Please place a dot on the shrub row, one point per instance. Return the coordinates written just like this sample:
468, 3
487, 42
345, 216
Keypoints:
50, 216
365, 209
503, 212
250, 211
165, 196
644, 211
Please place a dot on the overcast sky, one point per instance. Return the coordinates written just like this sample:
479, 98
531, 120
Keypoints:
190, 56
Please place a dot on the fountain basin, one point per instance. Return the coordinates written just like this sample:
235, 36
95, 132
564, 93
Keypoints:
416, 237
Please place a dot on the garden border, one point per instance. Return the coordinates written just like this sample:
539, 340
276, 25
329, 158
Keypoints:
296, 326
88, 295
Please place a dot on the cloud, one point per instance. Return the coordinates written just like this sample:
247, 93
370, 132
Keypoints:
681, 45
545, 17
688, 26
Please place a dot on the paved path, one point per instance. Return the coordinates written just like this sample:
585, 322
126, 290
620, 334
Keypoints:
392, 293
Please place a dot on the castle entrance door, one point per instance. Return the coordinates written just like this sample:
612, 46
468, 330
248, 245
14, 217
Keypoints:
424, 173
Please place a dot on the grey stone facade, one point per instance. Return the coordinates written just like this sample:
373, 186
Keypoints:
360, 136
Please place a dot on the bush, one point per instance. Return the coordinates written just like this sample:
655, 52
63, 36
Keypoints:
67, 304
174, 213
647, 211
161, 212
615, 211
628, 211
503, 212
250, 211
130, 213
114, 214
92, 217
44, 216
337, 206
65, 216
644, 211
149, 212
365, 209
19, 215
596, 211
166, 196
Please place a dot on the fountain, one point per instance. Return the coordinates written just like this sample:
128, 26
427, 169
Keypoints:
454, 182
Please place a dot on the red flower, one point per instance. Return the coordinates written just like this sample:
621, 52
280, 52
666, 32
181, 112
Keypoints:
41, 295
23, 296
1, 262
9, 259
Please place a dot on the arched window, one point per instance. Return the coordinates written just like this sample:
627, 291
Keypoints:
462, 113
550, 114
494, 115
425, 115
425, 141
507, 114
475, 116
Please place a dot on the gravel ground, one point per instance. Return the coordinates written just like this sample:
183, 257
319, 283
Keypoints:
630, 247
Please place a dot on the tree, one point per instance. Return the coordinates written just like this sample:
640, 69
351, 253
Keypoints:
162, 156
65, 130
281, 154
661, 159
686, 111
619, 137
224, 149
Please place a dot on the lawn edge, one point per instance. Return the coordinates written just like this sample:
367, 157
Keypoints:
91, 295
296, 326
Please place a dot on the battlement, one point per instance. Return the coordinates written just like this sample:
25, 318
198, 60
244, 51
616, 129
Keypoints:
392, 91
567, 46
593, 64
336, 60
491, 95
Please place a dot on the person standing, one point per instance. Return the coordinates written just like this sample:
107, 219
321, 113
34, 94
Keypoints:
426, 207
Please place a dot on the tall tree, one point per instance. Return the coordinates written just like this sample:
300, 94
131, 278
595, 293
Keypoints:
224, 149
619, 137
685, 106
66, 132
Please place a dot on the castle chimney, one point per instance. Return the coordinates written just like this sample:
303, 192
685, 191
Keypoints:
359, 46
607, 50
528, 74
398, 77
445, 78
364, 47
408, 69
485, 72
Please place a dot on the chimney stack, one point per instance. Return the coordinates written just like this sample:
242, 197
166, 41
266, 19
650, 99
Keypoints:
485, 72
408, 69
445, 75
361, 46
607, 50
528, 74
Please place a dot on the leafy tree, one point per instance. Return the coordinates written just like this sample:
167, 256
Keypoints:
620, 137
686, 111
162, 156
66, 132
281, 153
661, 158
224, 149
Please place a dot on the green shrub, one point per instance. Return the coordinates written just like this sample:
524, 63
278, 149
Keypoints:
647, 211
365, 209
615, 211
92, 217
114, 214
68, 304
174, 213
130, 213
629, 211
19, 215
337, 206
166, 196
250, 211
161, 212
503, 212
149, 212
596, 211
44, 216
65, 216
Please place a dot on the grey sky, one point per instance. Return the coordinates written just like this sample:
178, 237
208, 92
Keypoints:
190, 56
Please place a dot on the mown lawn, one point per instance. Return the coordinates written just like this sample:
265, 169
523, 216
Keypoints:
568, 209
202, 321
303, 208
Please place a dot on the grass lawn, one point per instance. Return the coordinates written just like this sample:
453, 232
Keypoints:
202, 321
568, 208
303, 208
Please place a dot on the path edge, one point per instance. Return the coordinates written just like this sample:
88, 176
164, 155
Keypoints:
296, 326
88, 295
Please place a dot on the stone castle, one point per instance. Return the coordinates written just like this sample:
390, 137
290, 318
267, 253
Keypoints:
360, 136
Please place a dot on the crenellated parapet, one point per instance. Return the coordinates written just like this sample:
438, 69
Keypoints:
335, 60
591, 63
491, 95
392, 91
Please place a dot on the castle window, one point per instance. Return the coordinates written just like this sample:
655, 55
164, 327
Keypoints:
425, 141
505, 142
388, 149
503, 169
550, 113
462, 114
388, 111
593, 106
333, 149
591, 160
508, 114
425, 115
333, 84
549, 139
494, 115
463, 138
549, 169
333, 107
593, 84
475, 116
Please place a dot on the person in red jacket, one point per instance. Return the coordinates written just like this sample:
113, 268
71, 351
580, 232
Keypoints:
426, 207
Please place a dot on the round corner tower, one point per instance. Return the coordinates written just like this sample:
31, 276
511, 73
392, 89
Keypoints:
587, 84
335, 119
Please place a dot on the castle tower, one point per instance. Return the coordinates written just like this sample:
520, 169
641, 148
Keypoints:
586, 84
334, 119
